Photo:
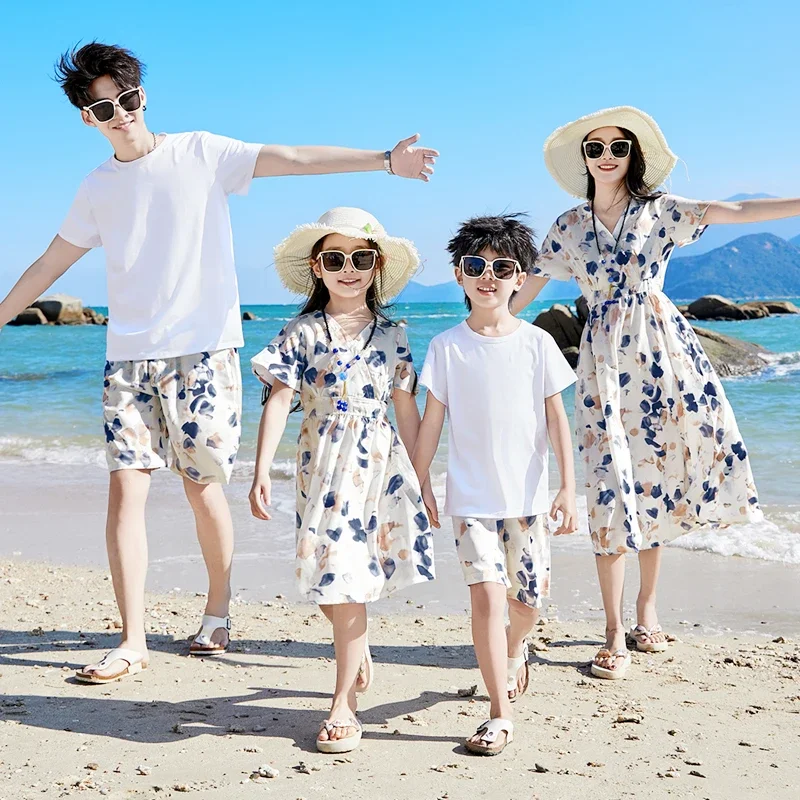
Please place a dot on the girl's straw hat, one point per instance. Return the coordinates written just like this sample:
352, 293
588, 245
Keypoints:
563, 154
400, 257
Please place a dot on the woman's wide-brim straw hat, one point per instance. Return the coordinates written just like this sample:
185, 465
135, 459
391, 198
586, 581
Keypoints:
563, 151
400, 257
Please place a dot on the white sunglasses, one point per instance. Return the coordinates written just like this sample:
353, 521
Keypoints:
104, 110
619, 148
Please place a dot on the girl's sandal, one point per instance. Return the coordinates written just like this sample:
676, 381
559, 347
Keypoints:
202, 644
136, 663
365, 672
512, 670
344, 745
488, 745
611, 673
643, 636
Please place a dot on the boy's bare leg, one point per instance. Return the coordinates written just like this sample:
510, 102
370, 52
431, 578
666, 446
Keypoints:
521, 619
126, 542
215, 534
489, 638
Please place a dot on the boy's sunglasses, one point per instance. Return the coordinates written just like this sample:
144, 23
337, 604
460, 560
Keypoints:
334, 260
619, 148
104, 110
504, 269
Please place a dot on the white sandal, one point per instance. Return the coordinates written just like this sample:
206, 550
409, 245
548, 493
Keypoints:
339, 745
135, 659
615, 674
490, 730
638, 632
202, 645
512, 669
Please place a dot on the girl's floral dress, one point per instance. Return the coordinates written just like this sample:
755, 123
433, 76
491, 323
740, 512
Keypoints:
362, 530
662, 450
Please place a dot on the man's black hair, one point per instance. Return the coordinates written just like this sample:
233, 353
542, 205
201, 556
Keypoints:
505, 234
78, 68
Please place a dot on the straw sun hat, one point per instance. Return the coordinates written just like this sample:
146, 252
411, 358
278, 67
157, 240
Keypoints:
400, 257
563, 154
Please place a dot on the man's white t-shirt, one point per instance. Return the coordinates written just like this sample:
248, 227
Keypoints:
164, 223
494, 389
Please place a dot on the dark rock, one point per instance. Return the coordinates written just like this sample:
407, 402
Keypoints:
582, 309
248, 316
571, 354
781, 307
92, 317
713, 306
30, 316
61, 309
755, 309
562, 325
731, 356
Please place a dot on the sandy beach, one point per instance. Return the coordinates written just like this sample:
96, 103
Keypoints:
716, 717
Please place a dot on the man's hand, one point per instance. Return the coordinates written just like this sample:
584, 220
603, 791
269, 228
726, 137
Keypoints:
413, 162
566, 505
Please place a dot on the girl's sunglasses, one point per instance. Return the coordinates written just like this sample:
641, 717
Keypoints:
104, 110
334, 260
504, 269
619, 148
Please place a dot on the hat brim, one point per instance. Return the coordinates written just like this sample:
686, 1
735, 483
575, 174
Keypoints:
564, 159
400, 258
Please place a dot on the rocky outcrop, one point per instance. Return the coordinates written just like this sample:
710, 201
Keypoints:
61, 309
562, 325
30, 316
248, 316
713, 306
730, 356
781, 307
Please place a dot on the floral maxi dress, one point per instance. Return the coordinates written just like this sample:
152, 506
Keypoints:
362, 530
661, 447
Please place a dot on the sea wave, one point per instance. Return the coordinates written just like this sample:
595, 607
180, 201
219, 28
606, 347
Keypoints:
50, 451
780, 364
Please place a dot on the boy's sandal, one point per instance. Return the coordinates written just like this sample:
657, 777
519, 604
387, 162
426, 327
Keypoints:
512, 669
344, 745
488, 745
611, 673
134, 659
202, 645
640, 635
365, 672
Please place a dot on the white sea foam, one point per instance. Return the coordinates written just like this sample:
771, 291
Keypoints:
780, 364
51, 451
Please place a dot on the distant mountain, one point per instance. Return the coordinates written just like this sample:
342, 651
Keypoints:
451, 292
758, 266
795, 241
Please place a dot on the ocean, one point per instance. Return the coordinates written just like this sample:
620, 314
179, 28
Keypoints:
50, 414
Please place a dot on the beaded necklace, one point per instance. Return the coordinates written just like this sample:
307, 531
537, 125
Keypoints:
343, 369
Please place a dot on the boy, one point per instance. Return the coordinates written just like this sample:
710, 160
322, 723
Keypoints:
172, 389
499, 378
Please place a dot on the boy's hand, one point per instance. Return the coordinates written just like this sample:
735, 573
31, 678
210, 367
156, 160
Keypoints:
413, 162
565, 503
260, 494
430, 505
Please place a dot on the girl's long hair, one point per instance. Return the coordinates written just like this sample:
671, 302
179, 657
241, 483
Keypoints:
634, 178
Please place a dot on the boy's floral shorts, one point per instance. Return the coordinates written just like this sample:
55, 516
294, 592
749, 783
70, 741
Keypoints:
514, 552
183, 413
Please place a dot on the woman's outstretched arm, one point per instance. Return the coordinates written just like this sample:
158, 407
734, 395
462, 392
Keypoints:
722, 212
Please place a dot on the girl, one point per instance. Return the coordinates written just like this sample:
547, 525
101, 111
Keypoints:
362, 530
662, 450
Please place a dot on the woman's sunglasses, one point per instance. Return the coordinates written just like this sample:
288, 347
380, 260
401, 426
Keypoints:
619, 148
504, 269
334, 260
104, 110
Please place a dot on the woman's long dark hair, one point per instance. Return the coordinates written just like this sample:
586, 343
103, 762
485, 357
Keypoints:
634, 178
319, 296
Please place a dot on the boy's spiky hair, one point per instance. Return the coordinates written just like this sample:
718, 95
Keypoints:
79, 67
506, 234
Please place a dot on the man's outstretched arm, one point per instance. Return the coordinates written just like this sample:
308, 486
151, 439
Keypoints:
406, 160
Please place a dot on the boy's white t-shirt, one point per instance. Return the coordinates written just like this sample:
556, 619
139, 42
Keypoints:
164, 223
494, 389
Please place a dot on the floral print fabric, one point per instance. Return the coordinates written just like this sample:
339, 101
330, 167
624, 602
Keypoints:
184, 413
661, 447
362, 530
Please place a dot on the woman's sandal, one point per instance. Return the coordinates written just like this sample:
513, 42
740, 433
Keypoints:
365, 672
640, 634
135, 660
490, 730
611, 673
344, 745
202, 645
513, 667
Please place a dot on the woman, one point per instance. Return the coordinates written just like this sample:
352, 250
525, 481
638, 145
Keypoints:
662, 450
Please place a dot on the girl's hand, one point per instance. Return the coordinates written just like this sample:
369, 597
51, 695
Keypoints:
413, 162
260, 494
565, 503
430, 505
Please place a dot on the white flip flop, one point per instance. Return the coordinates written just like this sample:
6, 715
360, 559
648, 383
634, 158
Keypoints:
617, 673
512, 668
490, 730
202, 645
639, 631
135, 659
340, 745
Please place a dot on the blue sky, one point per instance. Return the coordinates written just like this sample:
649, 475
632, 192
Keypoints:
483, 86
